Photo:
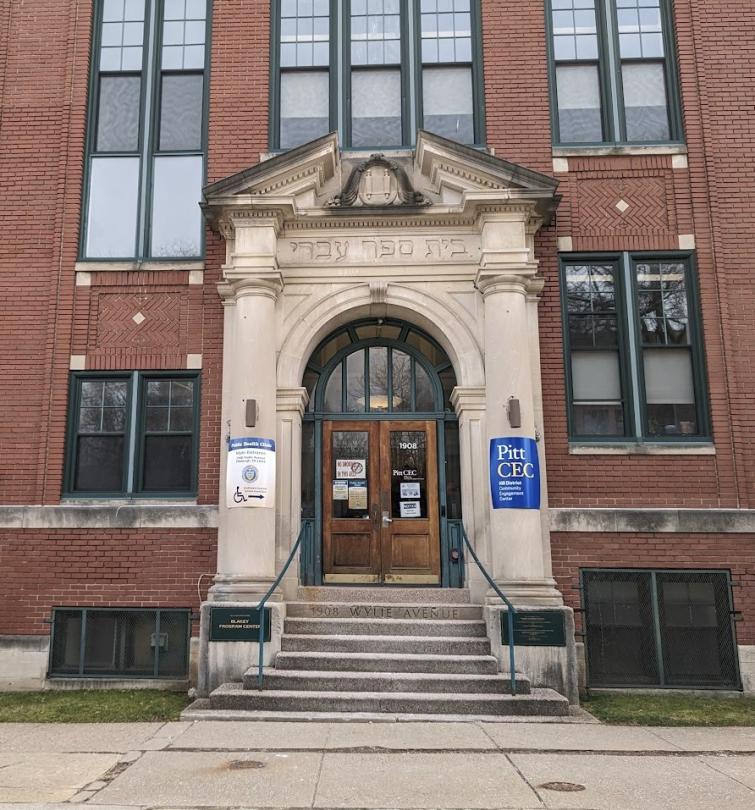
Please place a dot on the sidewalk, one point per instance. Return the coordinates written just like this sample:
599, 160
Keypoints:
375, 765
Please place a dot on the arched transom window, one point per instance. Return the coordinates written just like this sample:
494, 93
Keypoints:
379, 366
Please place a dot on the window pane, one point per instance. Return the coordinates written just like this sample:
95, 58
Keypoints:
595, 375
305, 33
579, 107
355, 393
305, 111
379, 379
66, 642
640, 28
174, 633
183, 35
176, 217
376, 108
668, 376
111, 214
425, 393
333, 391
380, 31
598, 420
402, 381
645, 107
669, 392
181, 112
167, 463
118, 114
99, 464
447, 103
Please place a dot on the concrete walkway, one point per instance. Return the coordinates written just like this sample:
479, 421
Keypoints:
467, 765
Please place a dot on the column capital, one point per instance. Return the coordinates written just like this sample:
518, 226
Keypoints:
292, 400
267, 285
522, 281
468, 399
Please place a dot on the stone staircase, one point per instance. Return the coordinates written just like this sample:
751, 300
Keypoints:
401, 651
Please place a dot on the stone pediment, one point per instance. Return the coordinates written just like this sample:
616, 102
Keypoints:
439, 178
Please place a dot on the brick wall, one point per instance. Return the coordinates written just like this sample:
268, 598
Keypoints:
109, 568
735, 553
708, 199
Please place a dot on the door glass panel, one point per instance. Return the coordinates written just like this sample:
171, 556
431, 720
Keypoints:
409, 474
349, 474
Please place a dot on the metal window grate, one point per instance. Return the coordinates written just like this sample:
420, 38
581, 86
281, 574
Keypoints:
660, 629
119, 642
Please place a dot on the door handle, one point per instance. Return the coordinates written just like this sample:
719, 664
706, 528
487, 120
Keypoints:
387, 519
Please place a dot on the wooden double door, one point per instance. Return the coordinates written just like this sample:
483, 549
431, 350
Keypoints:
380, 502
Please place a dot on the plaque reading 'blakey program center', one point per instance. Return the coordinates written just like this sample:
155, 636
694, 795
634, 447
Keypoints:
536, 628
237, 624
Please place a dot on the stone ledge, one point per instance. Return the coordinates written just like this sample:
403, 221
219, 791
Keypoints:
619, 150
641, 449
110, 516
675, 521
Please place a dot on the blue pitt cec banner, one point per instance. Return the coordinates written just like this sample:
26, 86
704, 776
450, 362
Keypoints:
514, 473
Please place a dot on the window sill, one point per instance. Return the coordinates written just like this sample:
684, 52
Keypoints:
641, 449
619, 150
106, 266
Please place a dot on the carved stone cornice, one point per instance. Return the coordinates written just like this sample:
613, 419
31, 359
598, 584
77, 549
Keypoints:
292, 400
267, 286
468, 399
519, 283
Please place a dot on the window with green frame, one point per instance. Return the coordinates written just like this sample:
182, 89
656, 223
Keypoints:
146, 136
613, 72
133, 433
375, 71
633, 343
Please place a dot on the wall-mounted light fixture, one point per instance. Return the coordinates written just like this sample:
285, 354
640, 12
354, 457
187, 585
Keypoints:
514, 412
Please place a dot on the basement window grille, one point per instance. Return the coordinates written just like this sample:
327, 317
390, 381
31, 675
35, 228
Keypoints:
119, 643
660, 629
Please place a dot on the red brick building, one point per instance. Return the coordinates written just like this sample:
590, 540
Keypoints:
198, 246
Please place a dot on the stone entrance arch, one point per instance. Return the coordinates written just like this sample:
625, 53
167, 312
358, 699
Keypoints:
453, 254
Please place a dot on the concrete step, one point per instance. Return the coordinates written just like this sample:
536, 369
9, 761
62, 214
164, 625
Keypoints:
386, 662
415, 682
540, 702
350, 610
437, 645
384, 594
385, 627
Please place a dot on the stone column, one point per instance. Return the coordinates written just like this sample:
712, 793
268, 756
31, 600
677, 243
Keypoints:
520, 551
247, 563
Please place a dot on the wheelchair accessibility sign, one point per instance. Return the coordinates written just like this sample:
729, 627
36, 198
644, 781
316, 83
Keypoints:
250, 477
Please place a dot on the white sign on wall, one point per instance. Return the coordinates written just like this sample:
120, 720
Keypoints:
250, 476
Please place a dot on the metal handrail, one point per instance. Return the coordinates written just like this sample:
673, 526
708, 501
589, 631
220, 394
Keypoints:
261, 605
509, 613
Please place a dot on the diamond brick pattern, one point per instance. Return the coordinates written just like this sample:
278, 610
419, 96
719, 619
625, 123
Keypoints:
629, 205
162, 322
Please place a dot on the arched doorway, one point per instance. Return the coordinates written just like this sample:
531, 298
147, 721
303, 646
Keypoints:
380, 458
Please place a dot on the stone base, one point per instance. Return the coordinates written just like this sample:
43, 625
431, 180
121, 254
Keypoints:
747, 668
226, 661
23, 662
546, 667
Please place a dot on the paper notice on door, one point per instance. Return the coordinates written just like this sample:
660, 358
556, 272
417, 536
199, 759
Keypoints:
410, 489
358, 495
351, 468
340, 490
410, 509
